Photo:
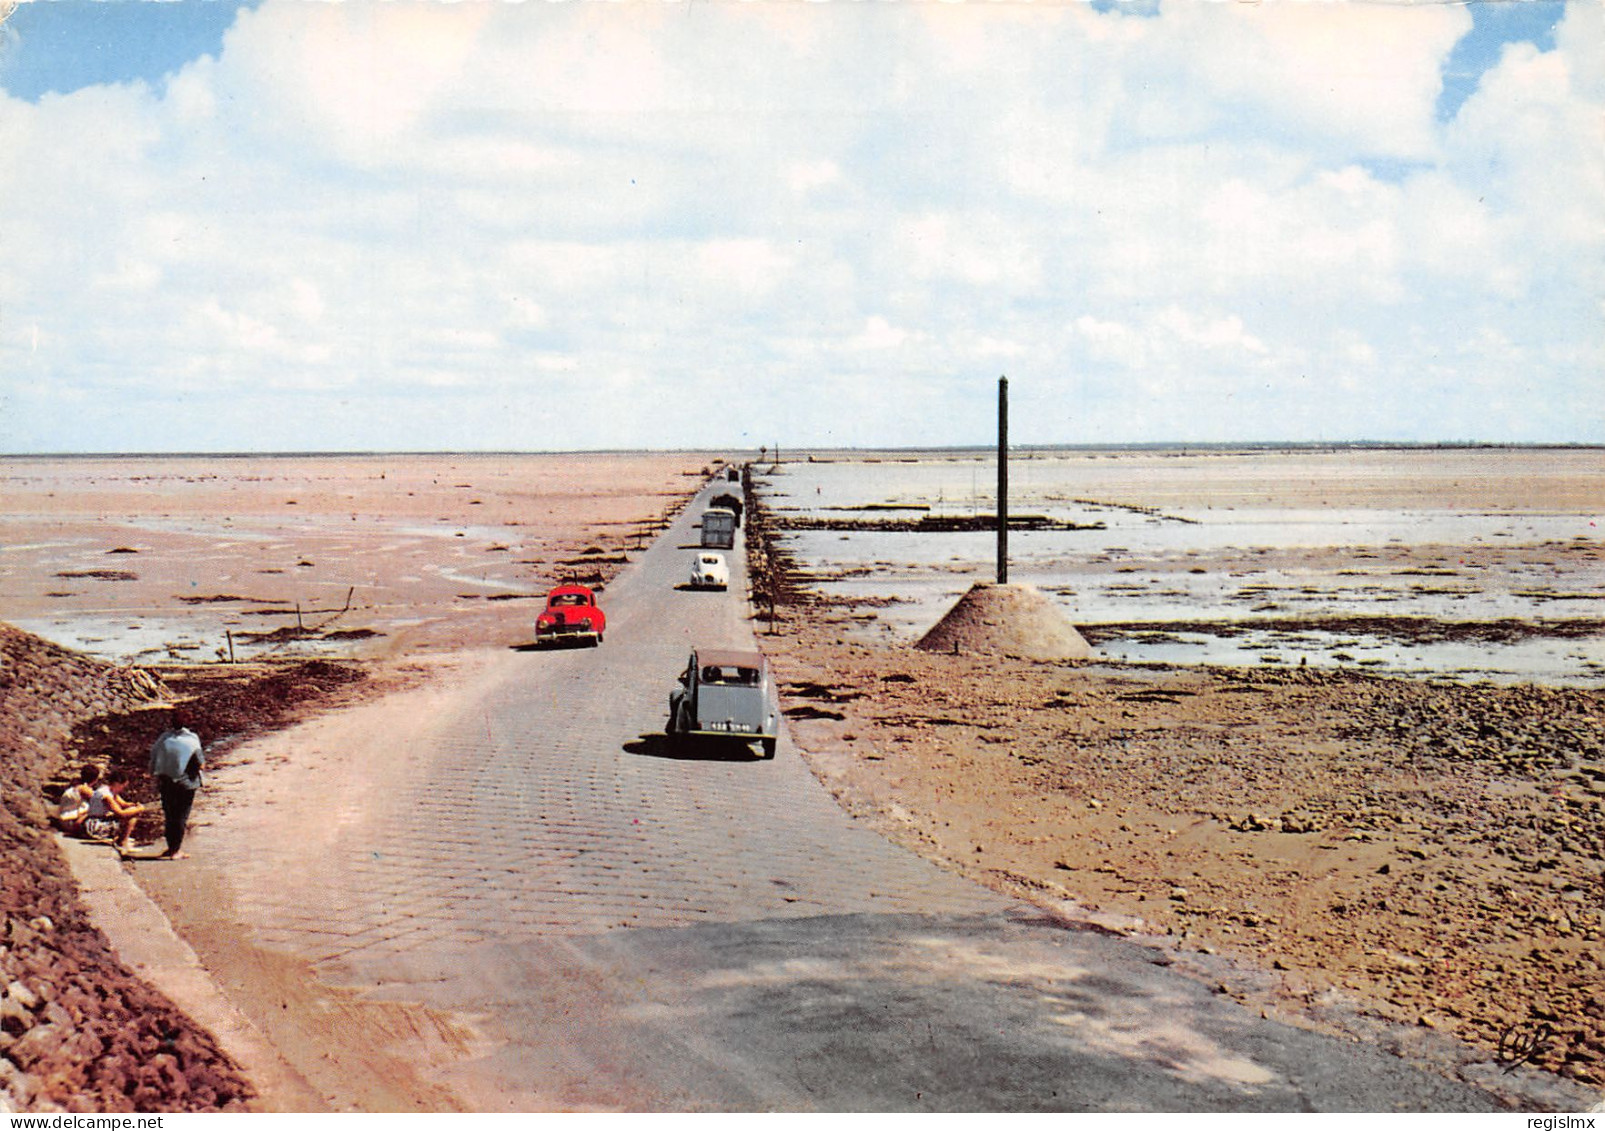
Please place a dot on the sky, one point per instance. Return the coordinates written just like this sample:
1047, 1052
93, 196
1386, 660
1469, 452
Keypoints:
296, 225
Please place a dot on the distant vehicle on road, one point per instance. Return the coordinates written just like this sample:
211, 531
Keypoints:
709, 571
725, 695
732, 475
730, 503
718, 528
571, 614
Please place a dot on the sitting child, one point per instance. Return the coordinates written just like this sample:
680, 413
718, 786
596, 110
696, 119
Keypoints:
74, 805
110, 815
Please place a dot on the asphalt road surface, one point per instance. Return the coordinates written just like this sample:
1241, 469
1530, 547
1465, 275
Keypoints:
629, 927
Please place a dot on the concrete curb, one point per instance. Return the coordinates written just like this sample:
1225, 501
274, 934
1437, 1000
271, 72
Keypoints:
143, 937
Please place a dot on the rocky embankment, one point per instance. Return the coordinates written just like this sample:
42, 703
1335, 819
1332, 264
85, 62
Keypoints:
78, 1031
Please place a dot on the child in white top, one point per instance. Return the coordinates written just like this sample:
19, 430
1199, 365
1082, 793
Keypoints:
74, 805
106, 804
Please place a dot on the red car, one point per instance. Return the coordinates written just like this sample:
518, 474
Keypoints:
571, 614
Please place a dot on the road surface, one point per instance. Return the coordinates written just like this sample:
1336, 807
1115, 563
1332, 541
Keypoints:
584, 921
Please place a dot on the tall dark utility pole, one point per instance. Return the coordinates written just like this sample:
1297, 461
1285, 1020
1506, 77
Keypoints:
1003, 480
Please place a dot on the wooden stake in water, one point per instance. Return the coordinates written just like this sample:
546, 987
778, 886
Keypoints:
1003, 480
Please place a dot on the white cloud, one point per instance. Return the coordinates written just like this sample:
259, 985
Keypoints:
1363, 73
354, 80
804, 177
305, 301
465, 218
1107, 341
750, 267
1534, 143
877, 334
977, 249
128, 274
986, 346
1210, 333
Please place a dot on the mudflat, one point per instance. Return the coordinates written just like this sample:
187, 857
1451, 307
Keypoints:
177, 558
1475, 562
404, 570
1422, 846
1413, 849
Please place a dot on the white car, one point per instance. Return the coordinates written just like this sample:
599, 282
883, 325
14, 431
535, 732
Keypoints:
709, 571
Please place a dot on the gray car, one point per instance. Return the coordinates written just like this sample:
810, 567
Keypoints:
725, 694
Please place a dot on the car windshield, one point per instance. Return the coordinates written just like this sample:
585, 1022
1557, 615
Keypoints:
727, 674
560, 599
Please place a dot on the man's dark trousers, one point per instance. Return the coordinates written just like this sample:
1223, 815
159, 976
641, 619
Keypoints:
176, 801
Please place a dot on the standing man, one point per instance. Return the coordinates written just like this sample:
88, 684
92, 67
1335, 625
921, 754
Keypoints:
175, 760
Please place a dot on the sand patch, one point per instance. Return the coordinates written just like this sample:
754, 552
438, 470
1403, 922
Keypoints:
1006, 620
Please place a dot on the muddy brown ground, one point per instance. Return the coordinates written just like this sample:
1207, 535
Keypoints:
1427, 852
1421, 850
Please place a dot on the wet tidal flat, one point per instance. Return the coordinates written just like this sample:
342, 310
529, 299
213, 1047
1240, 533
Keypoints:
1467, 563
198, 559
1348, 756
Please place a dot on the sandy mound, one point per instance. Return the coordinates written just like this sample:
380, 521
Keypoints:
1009, 620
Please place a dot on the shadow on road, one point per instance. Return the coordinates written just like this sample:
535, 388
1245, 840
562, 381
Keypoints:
691, 749
557, 644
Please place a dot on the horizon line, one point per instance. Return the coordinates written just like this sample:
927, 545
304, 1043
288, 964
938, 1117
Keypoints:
778, 453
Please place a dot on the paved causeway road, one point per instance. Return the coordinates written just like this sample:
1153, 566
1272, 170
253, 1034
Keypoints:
628, 929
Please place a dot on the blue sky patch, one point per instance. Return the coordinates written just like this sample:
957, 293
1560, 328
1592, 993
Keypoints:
59, 46
1494, 24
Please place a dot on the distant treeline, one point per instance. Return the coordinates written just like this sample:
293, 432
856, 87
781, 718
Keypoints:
1024, 451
